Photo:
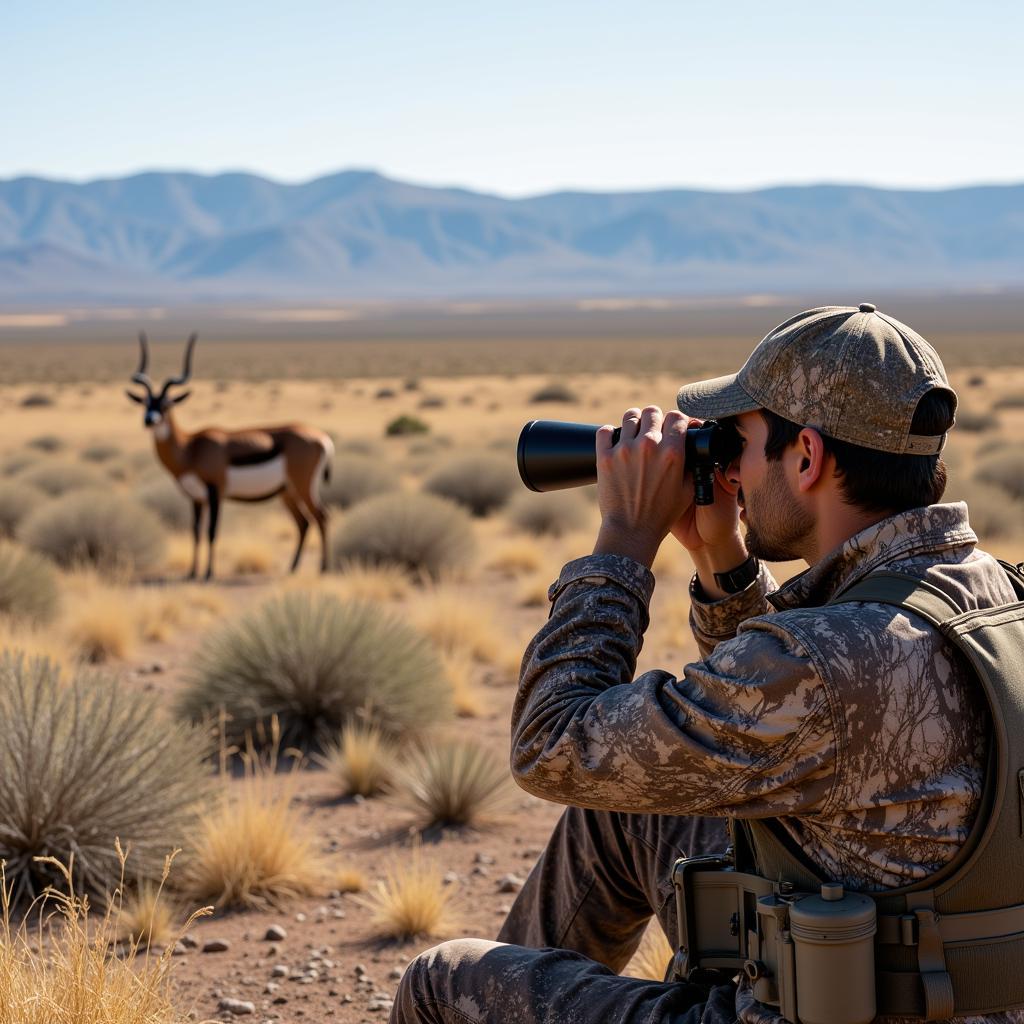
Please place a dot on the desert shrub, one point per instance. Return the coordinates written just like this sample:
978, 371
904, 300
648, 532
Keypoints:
28, 585
17, 463
100, 622
252, 556
481, 482
515, 557
992, 512
36, 400
355, 478
17, 500
420, 532
361, 582
100, 452
432, 402
993, 444
976, 380
548, 514
554, 392
385, 393
315, 662
411, 900
57, 478
47, 443
453, 782
163, 496
975, 422
362, 760
108, 531
405, 424
459, 624
1011, 401
149, 916
1004, 469
82, 764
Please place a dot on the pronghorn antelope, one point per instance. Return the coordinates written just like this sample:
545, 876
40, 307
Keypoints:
247, 465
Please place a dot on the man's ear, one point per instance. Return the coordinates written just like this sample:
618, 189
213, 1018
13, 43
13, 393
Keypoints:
812, 455
180, 398
136, 398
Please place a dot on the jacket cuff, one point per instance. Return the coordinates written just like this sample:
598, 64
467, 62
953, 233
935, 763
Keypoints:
599, 570
720, 619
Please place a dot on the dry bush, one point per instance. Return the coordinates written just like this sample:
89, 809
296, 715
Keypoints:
109, 532
420, 532
411, 900
47, 443
458, 670
974, 421
164, 497
653, 955
99, 452
73, 969
28, 585
453, 782
149, 916
458, 623
57, 478
17, 500
355, 581
993, 514
1004, 469
362, 761
1014, 400
314, 662
481, 482
82, 764
404, 425
514, 557
14, 464
554, 392
553, 514
252, 557
37, 400
354, 478
252, 847
101, 623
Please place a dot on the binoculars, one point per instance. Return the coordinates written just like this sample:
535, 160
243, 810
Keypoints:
554, 455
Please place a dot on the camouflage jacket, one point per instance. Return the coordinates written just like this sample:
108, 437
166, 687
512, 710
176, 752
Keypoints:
853, 725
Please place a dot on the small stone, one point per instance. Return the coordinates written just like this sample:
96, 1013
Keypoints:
188, 942
451, 878
395, 974
380, 1005
180, 949
300, 917
360, 970
275, 933
279, 1000
337, 913
280, 971
273, 950
216, 946
271, 987
510, 883
358, 798
481, 871
483, 858
238, 1007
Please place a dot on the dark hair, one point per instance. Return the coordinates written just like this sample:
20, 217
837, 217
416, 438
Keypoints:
877, 481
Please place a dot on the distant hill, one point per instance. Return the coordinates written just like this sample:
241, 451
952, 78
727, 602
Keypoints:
357, 234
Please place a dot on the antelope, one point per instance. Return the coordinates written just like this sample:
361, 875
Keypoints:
246, 465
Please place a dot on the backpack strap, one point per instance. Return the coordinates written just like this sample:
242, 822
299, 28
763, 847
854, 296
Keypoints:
895, 588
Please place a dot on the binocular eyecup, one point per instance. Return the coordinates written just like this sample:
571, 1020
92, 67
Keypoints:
553, 455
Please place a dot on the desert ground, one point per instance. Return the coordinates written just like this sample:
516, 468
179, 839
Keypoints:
354, 885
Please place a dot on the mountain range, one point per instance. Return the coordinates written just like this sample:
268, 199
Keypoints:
357, 234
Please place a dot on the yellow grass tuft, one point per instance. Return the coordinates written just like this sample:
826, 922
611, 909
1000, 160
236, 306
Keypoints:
534, 591
349, 880
458, 670
515, 557
652, 957
458, 624
34, 643
253, 557
102, 626
149, 917
361, 582
411, 900
363, 761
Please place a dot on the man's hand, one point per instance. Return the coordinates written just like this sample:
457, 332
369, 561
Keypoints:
642, 488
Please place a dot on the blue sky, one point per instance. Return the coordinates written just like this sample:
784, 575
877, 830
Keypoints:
520, 97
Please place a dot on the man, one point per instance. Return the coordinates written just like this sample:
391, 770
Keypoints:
856, 729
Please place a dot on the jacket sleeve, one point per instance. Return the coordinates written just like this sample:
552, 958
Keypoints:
745, 732
714, 621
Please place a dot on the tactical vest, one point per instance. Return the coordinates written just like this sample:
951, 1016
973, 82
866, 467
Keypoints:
953, 943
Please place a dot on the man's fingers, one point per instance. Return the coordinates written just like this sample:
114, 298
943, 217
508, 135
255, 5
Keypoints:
630, 423
674, 425
650, 421
605, 434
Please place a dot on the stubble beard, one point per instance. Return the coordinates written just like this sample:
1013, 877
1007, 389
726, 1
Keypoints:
777, 524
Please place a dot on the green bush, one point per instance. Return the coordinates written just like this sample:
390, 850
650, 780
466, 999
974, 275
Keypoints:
160, 494
28, 585
354, 478
406, 424
17, 500
419, 532
551, 514
1003, 469
83, 763
481, 482
110, 532
316, 662
554, 392
57, 478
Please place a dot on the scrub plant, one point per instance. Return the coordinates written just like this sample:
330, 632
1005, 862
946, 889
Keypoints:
411, 900
481, 482
28, 585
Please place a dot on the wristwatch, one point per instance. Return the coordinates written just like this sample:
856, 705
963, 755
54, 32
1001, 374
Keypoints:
735, 580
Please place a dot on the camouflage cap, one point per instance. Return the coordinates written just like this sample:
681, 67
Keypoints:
853, 373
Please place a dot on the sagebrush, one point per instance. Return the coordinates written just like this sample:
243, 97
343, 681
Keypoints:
355, 478
480, 482
28, 585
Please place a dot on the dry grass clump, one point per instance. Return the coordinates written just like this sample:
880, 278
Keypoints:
73, 969
411, 900
252, 556
458, 623
554, 392
974, 421
82, 764
28, 585
362, 760
101, 624
47, 443
553, 514
57, 478
315, 661
354, 478
481, 482
109, 532
1004, 469
37, 400
420, 532
149, 916
1015, 400
991, 511
453, 782
458, 670
515, 557
99, 452
17, 500
164, 497
653, 955
355, 581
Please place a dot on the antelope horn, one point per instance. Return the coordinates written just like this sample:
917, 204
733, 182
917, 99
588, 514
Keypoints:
186, 373
139, 376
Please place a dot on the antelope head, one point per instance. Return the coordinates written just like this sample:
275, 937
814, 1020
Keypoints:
157, 403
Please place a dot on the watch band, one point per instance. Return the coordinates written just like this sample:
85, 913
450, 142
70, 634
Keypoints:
735, 580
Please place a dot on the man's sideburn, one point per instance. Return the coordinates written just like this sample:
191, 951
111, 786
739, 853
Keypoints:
777, 523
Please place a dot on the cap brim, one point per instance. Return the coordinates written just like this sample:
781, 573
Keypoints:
715, 398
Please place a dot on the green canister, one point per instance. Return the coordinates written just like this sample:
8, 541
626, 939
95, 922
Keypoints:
835, 956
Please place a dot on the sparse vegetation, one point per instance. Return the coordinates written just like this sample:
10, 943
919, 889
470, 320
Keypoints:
457, 624
406, 424
548, 514
110, 532
1004, 469
82, 764
101, 623
515, 557
28, 585
100, 453
47, 443
315, 662
481, 482
554, 392
362, 760
411, 900
974, 421
1015, 400
36, 400
355, 478
57, 478
17, 500
420, 532
162, 495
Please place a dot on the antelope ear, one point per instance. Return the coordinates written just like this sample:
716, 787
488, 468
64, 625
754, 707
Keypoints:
180, 398
136, 398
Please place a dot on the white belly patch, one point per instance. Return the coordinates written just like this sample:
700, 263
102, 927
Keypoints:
257, 481
192, 486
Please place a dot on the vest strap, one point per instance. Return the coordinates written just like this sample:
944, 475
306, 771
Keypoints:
902, 929
931, 958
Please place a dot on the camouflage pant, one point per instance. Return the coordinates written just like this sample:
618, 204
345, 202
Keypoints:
576, 923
